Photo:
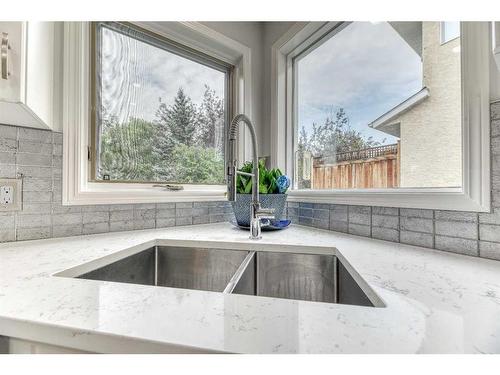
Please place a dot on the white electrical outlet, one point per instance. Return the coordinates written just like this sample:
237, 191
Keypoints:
6, 195
10, 194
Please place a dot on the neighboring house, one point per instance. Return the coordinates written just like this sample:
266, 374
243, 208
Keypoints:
431, 117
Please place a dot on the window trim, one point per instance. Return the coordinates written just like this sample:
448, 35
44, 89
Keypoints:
167, 45
474, 195
77, 187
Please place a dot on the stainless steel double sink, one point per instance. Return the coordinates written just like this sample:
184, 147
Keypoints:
300, 276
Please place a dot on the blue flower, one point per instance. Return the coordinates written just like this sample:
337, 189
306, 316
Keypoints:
283, 183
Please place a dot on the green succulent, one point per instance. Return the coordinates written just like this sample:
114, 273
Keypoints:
267, 179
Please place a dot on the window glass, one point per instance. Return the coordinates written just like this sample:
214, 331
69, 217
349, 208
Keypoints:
449, 31
378, 105
160, 109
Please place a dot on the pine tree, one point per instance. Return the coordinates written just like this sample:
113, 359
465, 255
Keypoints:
211, 120
175, 125
178, 121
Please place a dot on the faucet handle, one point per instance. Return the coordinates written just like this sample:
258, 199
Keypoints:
265, 213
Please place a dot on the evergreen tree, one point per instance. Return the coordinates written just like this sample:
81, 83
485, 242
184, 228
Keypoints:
126, 152
178, 121
211, 120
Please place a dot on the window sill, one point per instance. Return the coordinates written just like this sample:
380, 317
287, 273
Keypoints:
121, 193
454, 199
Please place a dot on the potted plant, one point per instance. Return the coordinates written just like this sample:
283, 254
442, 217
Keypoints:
273, 185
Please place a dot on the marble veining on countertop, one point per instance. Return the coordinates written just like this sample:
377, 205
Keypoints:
435, 302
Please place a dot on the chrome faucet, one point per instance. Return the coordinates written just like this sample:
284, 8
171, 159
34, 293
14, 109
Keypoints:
257, 212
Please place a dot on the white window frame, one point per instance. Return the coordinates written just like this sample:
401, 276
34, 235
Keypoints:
474, 195
77, 187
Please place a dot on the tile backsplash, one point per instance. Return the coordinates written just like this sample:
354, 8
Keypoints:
470, 233
37, 155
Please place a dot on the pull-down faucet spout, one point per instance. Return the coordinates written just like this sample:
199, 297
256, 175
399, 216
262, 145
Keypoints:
257, 213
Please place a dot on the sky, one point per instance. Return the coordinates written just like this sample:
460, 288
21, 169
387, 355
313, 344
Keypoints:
134, 88
366, 68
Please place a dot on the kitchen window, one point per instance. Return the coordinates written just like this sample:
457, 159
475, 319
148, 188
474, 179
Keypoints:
146, 105
383, 113
160, 109
387, 115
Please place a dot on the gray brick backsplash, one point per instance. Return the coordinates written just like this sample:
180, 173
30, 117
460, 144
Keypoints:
322, 215
8, 145
339, 212
7, 235
307, 221
7, 222
413, 212
187, 220
28, 134
385, 221
386, 234
415, 224
33, 220
119, 226
67, 219
199, 219
165, 213
183, 212
35, 172
67, 230
320, 223
456, 229
40, 208
7, 157
359, 230
145, 214
456, 245
490, 218
37, 196
456, 216
33, 159
94, 228
305, 212
122, 215
417, 239
7, 171
37, 184
145, 224
489, 232
95, 217
339, 226
33, 233
393, 211
35, 147
165, 222
490, 250
360, 215
8, 131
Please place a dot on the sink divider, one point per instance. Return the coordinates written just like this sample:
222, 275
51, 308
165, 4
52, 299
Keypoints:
239, 273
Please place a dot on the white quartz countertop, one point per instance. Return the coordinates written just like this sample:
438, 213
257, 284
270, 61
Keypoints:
435, 302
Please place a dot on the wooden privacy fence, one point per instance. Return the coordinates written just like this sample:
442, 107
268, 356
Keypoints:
376, 167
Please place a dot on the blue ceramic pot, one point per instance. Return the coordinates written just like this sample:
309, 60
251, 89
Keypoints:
241, 206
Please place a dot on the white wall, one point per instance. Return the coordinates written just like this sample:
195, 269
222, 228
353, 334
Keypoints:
259, 36
251, 35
